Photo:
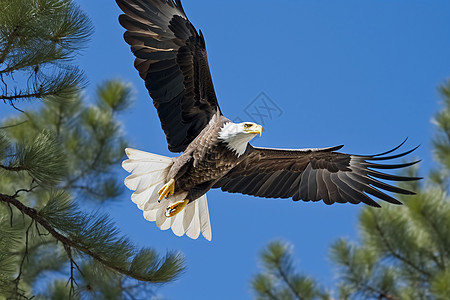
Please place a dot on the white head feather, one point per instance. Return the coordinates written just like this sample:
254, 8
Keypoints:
237, 136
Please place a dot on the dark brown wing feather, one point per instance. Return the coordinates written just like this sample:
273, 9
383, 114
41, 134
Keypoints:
315, 174
171, 58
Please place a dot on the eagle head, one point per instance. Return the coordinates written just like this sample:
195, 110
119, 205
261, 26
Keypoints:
237, 135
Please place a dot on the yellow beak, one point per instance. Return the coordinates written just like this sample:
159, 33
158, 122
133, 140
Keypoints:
257, 130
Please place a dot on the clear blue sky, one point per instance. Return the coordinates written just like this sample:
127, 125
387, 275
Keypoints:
359, 73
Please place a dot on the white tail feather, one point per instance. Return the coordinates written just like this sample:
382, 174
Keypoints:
205, 225
148, 174
194, 229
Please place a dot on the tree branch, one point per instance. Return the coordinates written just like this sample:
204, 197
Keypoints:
363, 283
13, 169
16, 281
88, 169
270, 294
288, 283
14, 125
443, 250
19, 95
395, 254
66, 241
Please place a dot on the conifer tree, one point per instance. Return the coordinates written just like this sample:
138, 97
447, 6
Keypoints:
403, 252
57, 159
38, 42
52, 162
280, 280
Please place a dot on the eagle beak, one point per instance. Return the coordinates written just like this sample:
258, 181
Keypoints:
256, 129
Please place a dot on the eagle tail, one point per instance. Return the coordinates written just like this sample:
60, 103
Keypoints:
148, 174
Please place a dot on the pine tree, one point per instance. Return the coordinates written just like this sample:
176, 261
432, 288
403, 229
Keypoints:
403, 251
57, 159
279, 280
53, 161
38, 41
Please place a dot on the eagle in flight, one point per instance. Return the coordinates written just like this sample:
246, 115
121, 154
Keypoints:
171, 59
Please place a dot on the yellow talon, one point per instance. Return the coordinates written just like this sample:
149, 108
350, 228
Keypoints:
167, 190
175, 208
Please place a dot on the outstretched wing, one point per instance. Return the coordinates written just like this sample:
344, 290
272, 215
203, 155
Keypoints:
171, 58
315, 174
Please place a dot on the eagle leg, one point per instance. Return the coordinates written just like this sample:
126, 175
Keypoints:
167, 190
175, 208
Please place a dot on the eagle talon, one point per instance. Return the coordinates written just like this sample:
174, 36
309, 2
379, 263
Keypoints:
175, 208
167, 190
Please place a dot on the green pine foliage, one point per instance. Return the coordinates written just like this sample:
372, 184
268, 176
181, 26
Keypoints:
53, 160
403, 251
38, 40
9, 238
59, 158
279, 279
441, 140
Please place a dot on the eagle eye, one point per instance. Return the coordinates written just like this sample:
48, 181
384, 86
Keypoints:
247, 125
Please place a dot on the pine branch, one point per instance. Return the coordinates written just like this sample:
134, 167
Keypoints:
67, 242
443, 251
73, 266
380, 293
262, 285
271, 295
20, 95
87, 169
280, 280
16, 290
285, 278
59, 121
347, 256
13, 169
13, 125
397, 255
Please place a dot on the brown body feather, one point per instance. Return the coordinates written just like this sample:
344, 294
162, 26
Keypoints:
205, 161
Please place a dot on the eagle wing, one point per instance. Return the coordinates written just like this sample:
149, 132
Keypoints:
315, 174
171, 58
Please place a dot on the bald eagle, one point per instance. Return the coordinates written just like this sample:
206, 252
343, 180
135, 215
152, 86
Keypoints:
171, 59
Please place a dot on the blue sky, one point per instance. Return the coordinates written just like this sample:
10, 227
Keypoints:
359, 73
